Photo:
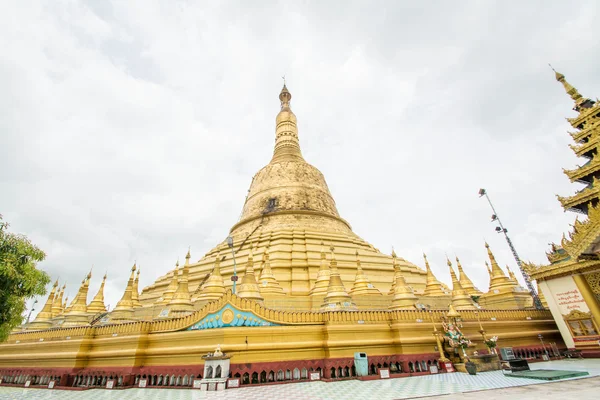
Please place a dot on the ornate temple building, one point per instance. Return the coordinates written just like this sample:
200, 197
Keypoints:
570, 283
292, 293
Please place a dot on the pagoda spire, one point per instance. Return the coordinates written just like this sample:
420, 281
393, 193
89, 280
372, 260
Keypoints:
268, 282
76, 314
512, 275
465, 282
404, 296
460, 298
362, 285
97, 304
337, 298
135, 294
498, 278
170, 290
571, 91
433, 286
181, 301
322, 281
214, 287
57, 307
42, 320
287, 145
248, 287
124, 309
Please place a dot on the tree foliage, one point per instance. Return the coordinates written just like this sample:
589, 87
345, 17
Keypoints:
19, 277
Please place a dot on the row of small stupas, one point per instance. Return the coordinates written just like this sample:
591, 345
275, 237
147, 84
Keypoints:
328, 290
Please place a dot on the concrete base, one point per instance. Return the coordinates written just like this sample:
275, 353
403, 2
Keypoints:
484, 363
547, 374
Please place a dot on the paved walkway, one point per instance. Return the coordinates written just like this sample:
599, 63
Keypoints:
388, 389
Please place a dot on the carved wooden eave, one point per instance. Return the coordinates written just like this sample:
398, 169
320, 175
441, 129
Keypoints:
576, 174
581, 149
577, 314
585, 236
584, 114
569, 267
585, 195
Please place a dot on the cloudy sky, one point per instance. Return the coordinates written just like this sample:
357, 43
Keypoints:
130, 130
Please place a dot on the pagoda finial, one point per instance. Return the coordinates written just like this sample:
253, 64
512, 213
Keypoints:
433, 286
322, 281
285, 96
571, 91
287, 145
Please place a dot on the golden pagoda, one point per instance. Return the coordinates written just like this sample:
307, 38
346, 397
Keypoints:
433, 287
97, 304
404, 296
336, 298
167, 295
181, 302
248, 287
77, 313
362, 286
312, 326
267, 281
322, 281
57, 304
574, 265
465, 282
213, 288
289, 200
42, 320
460, 298
124, 311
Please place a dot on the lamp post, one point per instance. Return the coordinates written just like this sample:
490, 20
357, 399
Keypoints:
32, 310
502, 229
481, 331
436, 333
234, 278
541, 337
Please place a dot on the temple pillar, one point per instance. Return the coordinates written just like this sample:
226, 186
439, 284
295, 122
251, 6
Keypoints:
588, 296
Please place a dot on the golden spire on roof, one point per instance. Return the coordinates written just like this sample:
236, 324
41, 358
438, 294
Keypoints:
498, 279
571, 91
58, 301
267, 281
214, 287
465, 282
135, 293
42, 320
76, 314
287, 145
248, 287
404, 296
433, 286
97, 304
362, 285
460, 298
337, 298
170, 290
322, 281
124, 309
181, 301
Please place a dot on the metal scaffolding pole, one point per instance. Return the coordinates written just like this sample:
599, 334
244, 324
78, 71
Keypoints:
502, 229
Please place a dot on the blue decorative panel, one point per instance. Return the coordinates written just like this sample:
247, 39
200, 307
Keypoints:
229, 316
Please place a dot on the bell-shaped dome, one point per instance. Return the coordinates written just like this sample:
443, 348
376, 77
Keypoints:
288, 191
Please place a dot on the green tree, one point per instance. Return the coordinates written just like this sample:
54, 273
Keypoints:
19, 278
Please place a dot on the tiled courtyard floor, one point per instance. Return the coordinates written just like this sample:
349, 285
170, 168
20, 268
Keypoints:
389, 389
